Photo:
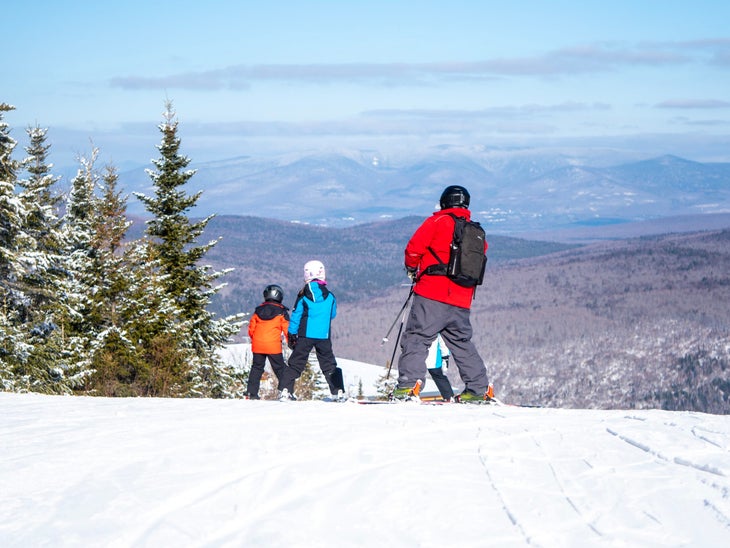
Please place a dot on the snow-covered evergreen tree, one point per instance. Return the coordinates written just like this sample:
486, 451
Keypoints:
110, 225
136, 349
41, 254
386, 383
21, 365
190, 283
79, 284
42, 223
12, 300
113, 355
41, 201
12, 213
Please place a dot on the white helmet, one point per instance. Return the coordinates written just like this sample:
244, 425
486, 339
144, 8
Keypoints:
312, 270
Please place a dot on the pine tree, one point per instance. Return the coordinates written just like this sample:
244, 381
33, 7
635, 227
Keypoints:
42, 255
113, 355
386, 383
161, 365
42, 223
174, 244
42, 204
109, 272
25, 260
75, 314
135, 351
11, 215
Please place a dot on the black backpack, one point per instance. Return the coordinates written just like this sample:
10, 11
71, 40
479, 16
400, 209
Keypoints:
467, 260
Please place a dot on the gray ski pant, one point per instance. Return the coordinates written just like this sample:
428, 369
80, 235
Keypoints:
427, 319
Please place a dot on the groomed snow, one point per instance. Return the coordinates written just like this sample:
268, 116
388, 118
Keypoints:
81, 471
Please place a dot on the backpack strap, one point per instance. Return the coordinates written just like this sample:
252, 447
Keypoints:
442, 268
434, 269
459, 223
441, 263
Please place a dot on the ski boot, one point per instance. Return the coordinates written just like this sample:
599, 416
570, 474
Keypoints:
469, 396
407, 394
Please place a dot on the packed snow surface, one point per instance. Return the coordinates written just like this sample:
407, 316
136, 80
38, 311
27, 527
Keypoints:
82, 471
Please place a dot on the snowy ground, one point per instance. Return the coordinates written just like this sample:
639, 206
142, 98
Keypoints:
79, 471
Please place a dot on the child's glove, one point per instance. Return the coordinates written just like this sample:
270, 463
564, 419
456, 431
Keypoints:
291, 340
411, 273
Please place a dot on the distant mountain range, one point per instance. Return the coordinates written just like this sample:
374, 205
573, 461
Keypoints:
512, 192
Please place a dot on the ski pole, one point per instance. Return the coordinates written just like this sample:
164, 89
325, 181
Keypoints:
395, 346
410, 294
400, 330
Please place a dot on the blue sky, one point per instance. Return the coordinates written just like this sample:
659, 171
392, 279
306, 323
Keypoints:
259, 77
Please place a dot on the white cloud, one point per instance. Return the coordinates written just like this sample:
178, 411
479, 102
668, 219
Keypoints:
579, 59
694, 104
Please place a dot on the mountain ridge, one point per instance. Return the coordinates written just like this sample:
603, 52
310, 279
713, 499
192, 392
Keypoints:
514, 191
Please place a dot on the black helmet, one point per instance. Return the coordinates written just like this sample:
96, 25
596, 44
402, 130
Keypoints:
454, 196
273, 293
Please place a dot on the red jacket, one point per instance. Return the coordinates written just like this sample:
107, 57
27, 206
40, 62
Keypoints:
437, 232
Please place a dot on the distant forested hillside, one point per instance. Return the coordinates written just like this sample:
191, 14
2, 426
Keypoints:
361, 261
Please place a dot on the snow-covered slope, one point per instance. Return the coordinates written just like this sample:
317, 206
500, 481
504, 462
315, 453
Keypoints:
79, 471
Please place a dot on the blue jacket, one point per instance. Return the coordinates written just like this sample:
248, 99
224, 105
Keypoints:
436, 353
313, 312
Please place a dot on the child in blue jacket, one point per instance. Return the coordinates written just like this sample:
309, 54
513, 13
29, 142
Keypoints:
438, 357
309, 327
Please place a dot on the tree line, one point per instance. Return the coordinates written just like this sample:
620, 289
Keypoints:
86, 310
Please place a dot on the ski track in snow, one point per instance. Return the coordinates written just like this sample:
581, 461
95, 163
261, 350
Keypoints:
542, 475
558, 486
147, 472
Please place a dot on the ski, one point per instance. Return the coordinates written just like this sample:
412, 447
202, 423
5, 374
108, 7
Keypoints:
416, 397
427, 402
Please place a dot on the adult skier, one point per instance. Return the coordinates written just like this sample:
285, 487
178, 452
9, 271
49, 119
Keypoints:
440, 306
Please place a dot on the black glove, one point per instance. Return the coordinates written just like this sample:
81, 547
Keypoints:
411, 273
291, 340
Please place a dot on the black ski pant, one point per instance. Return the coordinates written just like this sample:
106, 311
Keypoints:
257, 369
442, 382
426, 320
298, 361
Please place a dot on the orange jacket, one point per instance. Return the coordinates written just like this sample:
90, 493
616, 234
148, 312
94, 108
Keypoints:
437, 232
268, 323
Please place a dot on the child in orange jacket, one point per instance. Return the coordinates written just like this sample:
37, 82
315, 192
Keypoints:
268, 324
